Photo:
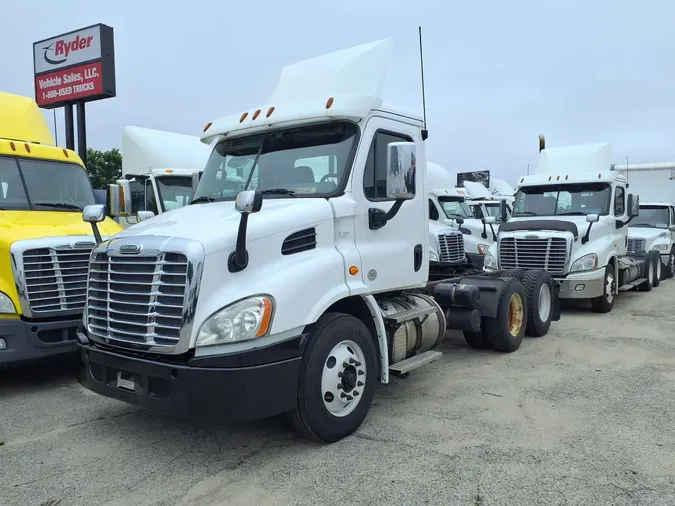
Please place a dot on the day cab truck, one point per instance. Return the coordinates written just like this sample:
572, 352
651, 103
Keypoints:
44, 244
571, 218
158, 168
654, 229
299, 287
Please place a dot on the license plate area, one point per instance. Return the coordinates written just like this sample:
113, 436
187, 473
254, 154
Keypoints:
126, 381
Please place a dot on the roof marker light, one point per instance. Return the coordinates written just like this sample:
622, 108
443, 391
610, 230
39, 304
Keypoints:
243, 117
207, 126
27, 147
549, 178
256, 114
269, 112
566, 178
11, 144
558, 178
65, 152
522, 179
329, 102
599, 175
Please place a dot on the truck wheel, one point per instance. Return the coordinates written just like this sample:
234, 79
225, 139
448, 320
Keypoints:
538, 286
477, 340
650, 265
513, 273
669, 270
605, 302
658, 271
337, 379
505, 332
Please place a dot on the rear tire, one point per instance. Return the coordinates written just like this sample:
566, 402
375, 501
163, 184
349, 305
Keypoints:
650, 274
538, 286
505, 332
669, 270
513, 273
605, 302
658, 273
339, 343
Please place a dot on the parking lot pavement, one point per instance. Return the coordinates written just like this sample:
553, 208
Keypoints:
584, 415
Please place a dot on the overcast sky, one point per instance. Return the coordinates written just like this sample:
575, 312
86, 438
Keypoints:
497, 72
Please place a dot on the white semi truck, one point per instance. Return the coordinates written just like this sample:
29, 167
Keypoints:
299, 289
157, 172
571, 218
654, 229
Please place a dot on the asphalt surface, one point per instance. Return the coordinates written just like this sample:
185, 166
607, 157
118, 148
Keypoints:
584, 415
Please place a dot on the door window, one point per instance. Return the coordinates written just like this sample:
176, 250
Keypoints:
375, 172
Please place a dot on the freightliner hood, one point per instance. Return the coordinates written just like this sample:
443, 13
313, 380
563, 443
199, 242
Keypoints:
216, 224
647, 233
18, 225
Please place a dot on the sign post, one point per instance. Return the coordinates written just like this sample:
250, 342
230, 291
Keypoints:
75, 68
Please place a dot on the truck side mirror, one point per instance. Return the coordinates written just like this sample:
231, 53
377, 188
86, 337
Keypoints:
671, 228
592, 218
633, 205
489, 220
125, 197
401, 170
247, 202
94, 214
144, 215
114, 200
196, 177
503, 211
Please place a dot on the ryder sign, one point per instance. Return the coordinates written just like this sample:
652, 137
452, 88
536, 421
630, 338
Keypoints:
77, 66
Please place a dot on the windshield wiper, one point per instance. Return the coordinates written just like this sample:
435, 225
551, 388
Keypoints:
279, 191
572, 213
525, 213
643, 225
199, 200
60, 205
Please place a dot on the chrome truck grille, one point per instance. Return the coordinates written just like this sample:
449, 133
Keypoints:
549, 253
51, 274
451, 247
142, 293
636, 245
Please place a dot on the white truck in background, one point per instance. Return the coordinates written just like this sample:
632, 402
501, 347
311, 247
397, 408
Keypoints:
449, 205
158, 168
571, 218
299, 288
654, 229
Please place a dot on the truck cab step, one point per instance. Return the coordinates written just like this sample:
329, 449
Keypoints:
409, 314
412, 363
632, 284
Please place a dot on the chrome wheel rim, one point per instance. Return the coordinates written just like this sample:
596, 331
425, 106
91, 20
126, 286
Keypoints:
343, 378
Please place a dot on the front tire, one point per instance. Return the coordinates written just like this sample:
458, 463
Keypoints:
538, 286
650, 274
658, 272
605, 303
669, 270
337, 379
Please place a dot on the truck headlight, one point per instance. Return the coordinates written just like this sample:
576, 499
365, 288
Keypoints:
243, 320
490, 261
585, 263
433, 256
6, 305
661, 247
483, 248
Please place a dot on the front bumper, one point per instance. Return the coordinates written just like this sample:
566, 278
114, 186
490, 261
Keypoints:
582, 285
244, 386
27, 341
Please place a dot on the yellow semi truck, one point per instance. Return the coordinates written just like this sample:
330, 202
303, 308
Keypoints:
44, 244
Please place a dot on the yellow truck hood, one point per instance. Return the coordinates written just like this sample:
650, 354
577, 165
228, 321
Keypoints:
17, 225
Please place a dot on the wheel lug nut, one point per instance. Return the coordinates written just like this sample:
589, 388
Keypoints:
361, 373
343, 395
355, 393
359, 384
345, 365
340, 374
339, 385
352, 361
357, 364
349, 398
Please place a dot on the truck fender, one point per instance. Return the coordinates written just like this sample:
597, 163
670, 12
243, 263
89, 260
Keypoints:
382, 344
491, 289
612, 260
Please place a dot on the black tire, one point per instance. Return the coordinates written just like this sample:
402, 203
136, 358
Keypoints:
650, 274
538, 286
658, 273
669, 270
477, 340
312, 418
513, 273
605, 302
505, 332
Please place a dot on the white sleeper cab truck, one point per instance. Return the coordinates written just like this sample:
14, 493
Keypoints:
299, 288
571, 218
158, 172
448, 205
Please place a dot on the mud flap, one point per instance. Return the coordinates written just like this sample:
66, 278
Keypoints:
555, 303
490, 292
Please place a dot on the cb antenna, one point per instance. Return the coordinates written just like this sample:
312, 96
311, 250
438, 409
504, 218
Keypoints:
425, 132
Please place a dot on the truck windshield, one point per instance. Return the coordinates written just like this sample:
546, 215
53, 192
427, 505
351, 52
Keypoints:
43, 185
651, 216
304, 161
455, 207
563, 200
174, 191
